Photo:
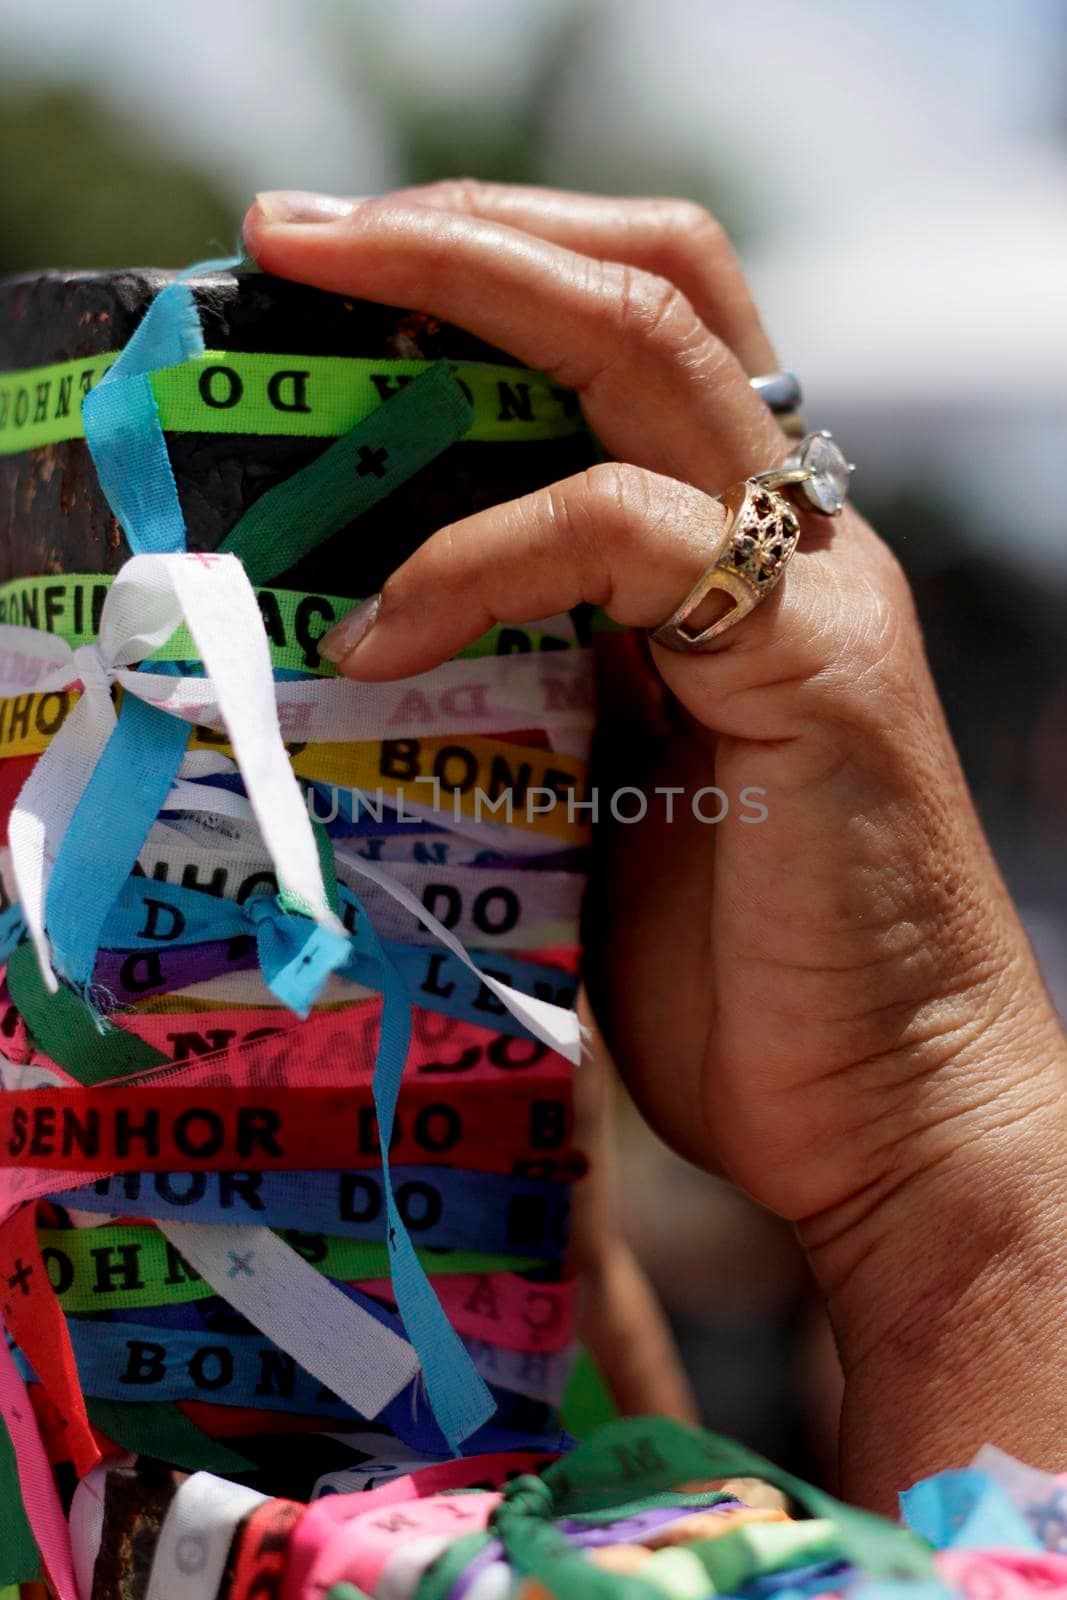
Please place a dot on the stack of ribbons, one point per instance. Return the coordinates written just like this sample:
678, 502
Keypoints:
645, 1509
244, 899
288, 1043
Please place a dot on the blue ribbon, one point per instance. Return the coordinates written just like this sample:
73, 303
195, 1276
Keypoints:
142, 757
448, 1208
966, 1510
461, 1402
103, 1353
121, 418
295, 955
151, 914
110, 824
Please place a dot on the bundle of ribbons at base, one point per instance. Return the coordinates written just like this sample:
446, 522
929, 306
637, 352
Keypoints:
288, 1045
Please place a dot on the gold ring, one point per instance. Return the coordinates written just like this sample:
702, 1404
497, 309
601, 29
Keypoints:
759, 537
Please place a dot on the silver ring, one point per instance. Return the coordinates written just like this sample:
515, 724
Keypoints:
816, 471
779, 391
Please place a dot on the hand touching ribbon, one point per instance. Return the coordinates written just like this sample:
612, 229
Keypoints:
836, 1008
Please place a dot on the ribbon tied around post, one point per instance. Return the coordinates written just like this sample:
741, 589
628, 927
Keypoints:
153, 595
68, 871
300, 938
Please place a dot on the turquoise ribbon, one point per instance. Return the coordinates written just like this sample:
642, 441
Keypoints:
141, 759
966, 1510
126, 441
185, 917
121, 418
12, 930
460, 1400
111, 822
296, 956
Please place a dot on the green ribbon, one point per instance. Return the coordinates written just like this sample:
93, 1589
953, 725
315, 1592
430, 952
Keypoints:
296, 396
65, 1029
404, 435
587, 1405
165, 1433
69, 604
20, 1560
644, 1457
129, 1264
440, 1577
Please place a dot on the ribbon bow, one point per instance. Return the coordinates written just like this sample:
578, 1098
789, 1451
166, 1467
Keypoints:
130, 762
150, 598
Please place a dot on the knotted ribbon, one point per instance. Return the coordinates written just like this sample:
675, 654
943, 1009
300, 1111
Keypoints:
150, 597
86, 808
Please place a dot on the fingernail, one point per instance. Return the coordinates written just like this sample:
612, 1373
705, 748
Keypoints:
340, 642
300, 205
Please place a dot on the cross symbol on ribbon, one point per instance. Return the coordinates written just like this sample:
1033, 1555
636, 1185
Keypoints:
241, 1264
22, 1275
372, 461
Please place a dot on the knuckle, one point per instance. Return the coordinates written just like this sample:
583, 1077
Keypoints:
561, 508
594, 514
681, 237
572, 508
617, 487
631, 312
618, 501
612, 519
687, 224
647, 301
649, 307
463, 194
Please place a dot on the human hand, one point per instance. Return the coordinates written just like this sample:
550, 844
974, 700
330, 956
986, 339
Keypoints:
835, 1007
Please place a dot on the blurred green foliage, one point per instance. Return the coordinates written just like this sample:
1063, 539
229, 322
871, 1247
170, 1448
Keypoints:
507, 137
79, 188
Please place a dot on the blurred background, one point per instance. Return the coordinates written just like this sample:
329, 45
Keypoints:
894, 177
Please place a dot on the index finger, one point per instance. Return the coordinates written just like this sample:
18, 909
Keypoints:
657, 388
675, 239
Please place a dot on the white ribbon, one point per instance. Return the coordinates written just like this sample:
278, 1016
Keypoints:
363, 1362
149, 599
553, 1025
484, 906
190, 1553
483, 695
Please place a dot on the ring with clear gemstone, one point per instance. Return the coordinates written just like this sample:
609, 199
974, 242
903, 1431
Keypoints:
760, 535
817, 471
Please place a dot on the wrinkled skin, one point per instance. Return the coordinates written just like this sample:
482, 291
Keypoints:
837, 1007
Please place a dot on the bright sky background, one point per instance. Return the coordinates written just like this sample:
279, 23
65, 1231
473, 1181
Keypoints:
904, 161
